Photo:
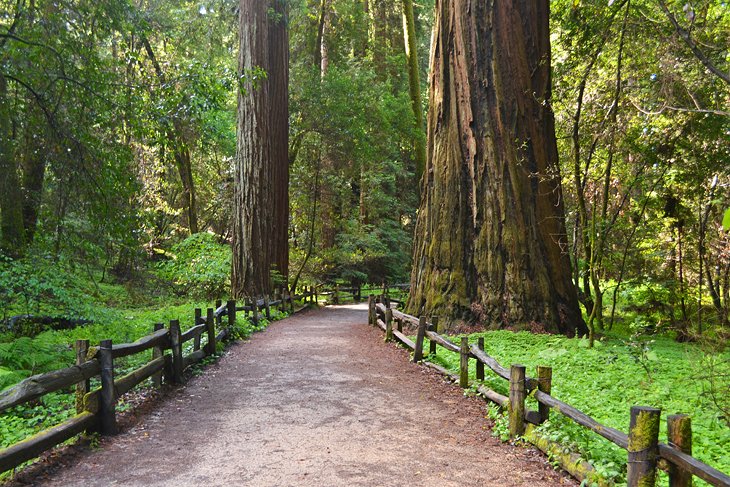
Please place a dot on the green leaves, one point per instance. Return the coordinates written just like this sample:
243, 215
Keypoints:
726, 220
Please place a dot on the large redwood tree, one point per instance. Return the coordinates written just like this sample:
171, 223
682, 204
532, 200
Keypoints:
490, 237
261, 175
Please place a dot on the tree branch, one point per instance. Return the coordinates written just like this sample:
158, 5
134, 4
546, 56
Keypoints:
684, 34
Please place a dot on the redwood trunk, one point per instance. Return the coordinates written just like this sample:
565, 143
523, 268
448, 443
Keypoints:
490, 238
252, 208
279, 92
261, 149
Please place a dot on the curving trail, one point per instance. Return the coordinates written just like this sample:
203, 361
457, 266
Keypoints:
316, 400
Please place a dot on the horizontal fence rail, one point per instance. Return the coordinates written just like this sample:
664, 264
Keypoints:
645, 453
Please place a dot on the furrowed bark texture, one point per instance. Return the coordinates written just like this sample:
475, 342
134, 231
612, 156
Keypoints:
252, 205
279, 92
490, 238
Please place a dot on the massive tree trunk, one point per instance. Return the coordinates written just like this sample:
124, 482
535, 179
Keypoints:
12, 233
279, 92
256, 176
490, 241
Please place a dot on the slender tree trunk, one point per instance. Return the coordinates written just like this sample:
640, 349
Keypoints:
33, 175
175, 133
490, 237
414, 87
12, 232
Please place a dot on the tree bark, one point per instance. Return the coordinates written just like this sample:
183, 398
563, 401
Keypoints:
490, 239
278, 74
261, 126
12, 232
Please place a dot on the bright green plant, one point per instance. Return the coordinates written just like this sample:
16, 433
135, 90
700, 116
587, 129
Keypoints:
199, 266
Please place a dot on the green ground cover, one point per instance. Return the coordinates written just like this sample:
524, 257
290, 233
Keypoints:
606, 381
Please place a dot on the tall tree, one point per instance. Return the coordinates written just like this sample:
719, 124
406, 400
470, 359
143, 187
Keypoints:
279, 92
490, 232
11, 215
414, 85
256, 178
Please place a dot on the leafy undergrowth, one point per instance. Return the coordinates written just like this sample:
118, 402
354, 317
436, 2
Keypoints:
605, 382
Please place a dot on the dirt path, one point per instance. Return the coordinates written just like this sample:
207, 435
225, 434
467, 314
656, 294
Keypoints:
315, 400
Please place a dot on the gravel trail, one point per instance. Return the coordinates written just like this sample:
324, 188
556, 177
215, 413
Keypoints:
315, 400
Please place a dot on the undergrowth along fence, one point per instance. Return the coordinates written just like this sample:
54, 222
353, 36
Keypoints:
644, 451
96, 408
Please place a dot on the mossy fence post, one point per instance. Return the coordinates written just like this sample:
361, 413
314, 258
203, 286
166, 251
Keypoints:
267, 308
464, 363
388, 325
679, 436
82, 349
544, 384
516, 400
107, 404
176, 346
434, 328
480, 365
643, 446
210, 330
418, 350
157, 352
255, 311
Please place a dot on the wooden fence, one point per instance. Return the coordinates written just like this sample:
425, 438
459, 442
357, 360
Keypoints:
96, 409
644, 451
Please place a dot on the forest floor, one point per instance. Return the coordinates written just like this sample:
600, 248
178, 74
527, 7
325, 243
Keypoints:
315, 400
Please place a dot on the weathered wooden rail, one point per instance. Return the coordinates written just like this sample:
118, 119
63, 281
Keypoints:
96, 408
644, 451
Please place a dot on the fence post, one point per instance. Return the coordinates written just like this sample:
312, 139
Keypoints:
107, 405
316, 295
643, 446
544, 384
196, 322
266, 306
218, 319
399, 325
177, 358
231, 304
255, 311
516, 400
157, 353
372, 319
464, 363
433, 327
480, 365
336, 296
418, 352
210, 329
679, 436
388, 325
82, 349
